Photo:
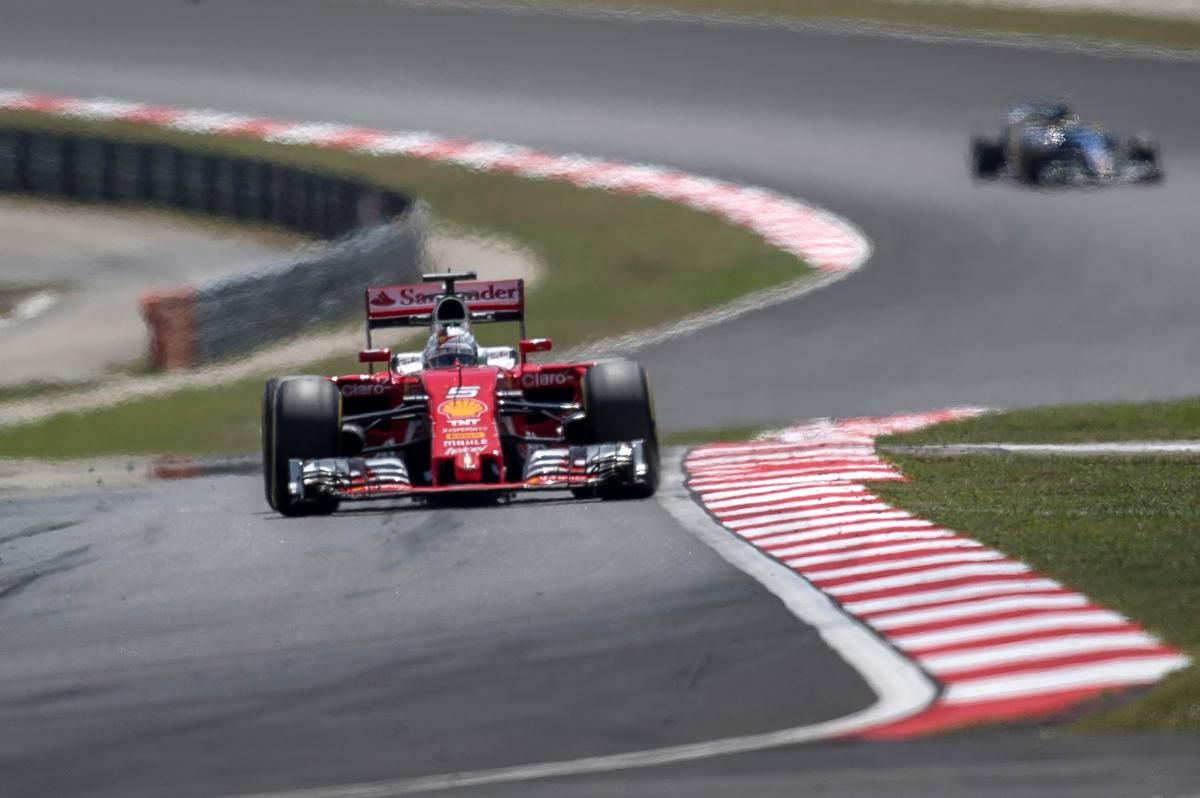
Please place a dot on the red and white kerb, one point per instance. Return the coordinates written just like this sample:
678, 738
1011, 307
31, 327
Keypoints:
822, 239
1001, 640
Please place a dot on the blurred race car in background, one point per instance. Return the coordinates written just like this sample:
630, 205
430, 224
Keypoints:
457, 420
1044, 143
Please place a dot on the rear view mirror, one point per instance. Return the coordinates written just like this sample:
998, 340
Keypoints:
529, 345
374, 355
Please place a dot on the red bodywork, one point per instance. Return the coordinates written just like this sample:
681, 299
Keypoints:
456, 417
461, 440
463, 424
458, 444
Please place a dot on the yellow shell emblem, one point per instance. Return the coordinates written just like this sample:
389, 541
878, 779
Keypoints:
462, 408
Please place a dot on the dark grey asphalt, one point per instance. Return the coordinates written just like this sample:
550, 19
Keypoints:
271, 655
1015, 764
180, 640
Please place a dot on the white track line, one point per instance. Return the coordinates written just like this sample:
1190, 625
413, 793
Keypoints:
1064, 449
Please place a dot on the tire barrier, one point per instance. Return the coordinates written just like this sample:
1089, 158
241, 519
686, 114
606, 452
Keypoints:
94, 169
377, 234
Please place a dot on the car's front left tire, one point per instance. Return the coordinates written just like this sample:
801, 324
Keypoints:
301, 419
987, 158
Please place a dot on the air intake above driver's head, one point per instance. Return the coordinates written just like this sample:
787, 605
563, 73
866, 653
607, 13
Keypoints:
450, 310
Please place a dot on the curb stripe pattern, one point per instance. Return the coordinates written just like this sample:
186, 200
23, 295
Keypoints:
824, 240
1002, 641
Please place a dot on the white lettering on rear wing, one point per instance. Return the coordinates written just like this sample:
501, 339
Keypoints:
503, 299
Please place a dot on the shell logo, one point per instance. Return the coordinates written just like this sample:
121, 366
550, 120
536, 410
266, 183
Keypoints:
462, 408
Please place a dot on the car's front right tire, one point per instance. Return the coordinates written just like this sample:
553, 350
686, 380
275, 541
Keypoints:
620, 407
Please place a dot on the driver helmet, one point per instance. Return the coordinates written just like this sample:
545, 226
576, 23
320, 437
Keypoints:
449, 347
1063, 115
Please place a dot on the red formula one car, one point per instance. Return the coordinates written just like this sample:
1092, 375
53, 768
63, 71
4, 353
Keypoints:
457, 420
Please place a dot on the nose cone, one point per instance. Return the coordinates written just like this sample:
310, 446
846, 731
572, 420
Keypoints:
467, 467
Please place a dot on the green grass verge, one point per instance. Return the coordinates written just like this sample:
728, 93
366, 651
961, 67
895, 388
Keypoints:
1127, 421
1111, 27
1125, 532
612, 264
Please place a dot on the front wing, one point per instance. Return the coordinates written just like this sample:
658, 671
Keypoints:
366, 478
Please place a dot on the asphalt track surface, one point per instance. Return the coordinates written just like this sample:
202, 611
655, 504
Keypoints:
176, 640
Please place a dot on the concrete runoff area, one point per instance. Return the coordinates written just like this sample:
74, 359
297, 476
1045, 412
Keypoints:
447, 248
99, 263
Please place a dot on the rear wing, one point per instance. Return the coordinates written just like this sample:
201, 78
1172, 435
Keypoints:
414, 305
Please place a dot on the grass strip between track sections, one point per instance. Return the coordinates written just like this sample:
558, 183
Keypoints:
1124, 531
612, 264
948, 16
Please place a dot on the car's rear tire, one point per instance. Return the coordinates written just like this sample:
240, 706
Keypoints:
301, 419
620, 407
987, 158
